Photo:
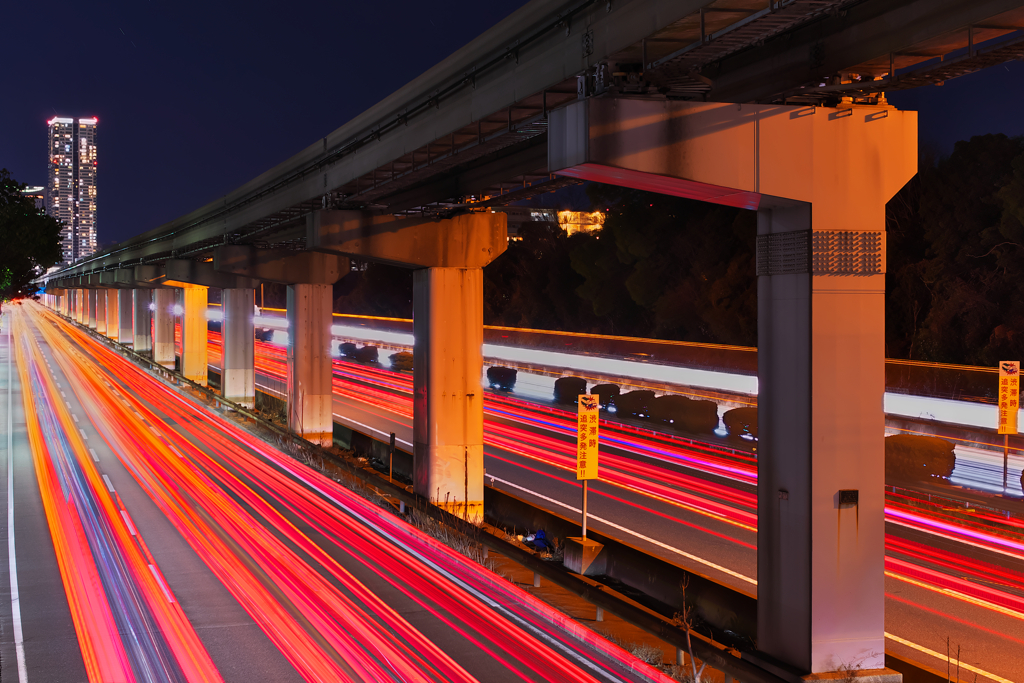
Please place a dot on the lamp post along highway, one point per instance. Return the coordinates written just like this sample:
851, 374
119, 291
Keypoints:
1009, 403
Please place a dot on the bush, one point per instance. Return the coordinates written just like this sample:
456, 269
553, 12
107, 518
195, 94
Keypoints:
918, 457
605, 393
347, 349
401, 361
502, 378
568, 389
367, 354
634, 403
740, 421
685, 414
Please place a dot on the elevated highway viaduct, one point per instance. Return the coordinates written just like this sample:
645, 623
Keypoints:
776, 107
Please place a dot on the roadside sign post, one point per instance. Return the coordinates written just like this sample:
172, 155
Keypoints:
391, 458
587, 420
1009, 399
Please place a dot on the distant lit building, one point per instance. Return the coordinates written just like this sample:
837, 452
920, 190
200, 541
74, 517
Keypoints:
521, 215
71, 184
581, 221
37, 194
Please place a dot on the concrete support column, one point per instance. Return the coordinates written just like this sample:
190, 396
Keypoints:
113, 314
101, 309
142, 321
124, 316
310, 373
821, 375
448, 417
92, 308
238, 369
163, 327
194, 356
79, 305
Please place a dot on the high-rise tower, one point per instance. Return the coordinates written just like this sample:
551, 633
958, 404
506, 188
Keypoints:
71, 184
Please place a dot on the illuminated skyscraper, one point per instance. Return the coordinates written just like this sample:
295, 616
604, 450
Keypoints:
71, 184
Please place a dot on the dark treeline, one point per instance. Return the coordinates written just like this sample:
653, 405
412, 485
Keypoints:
672, 268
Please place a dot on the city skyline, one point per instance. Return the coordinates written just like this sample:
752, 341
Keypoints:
71, 193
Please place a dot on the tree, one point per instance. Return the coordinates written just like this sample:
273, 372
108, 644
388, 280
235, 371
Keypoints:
30, 239
956, 256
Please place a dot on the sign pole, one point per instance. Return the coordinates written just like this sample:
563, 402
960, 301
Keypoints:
391, 458
587, 421
585, 508
1006, 461
1009, 404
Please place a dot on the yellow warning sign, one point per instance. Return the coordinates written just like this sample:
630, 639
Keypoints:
1009, 395
586, 436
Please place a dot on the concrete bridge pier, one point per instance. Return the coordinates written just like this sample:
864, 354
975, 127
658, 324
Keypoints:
819, 179
310, 277
448, 465
194, 353
448, 256
124, 316
113, 314
142, 320
101, 311
238, 361
237, 365
91, 308
163, 327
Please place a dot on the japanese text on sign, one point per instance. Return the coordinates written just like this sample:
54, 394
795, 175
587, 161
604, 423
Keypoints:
586, 436
1009, 395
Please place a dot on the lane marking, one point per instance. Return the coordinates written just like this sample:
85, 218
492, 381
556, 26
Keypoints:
106, 480
75, 417
160, 580
653, 541
952, 662
84, 435
95, 457
365, 426
63, 394
128, 521
19, 637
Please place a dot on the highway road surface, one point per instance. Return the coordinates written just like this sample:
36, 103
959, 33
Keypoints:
950, 573
151, 539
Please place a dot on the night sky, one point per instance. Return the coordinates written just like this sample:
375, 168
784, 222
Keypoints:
194, 99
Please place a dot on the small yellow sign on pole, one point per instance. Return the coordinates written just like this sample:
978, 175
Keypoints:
586, 436
587, 420
1009, 395
1009, 404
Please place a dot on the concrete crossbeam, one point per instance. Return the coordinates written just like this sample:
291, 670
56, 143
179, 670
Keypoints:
280, 265
470, 240
203, 274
